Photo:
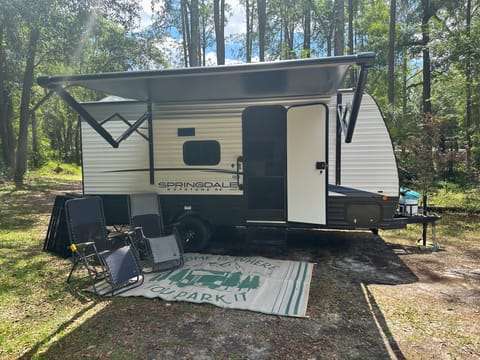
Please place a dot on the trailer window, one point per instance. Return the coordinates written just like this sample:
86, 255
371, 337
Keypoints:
206, 152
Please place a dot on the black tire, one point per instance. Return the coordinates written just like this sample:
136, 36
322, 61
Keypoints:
194, 233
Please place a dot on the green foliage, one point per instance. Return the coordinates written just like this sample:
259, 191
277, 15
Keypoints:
90, 37
431, 154
451, 194
57, 169
372, 27
476, 156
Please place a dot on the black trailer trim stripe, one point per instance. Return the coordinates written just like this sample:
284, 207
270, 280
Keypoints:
220, 171
343, 190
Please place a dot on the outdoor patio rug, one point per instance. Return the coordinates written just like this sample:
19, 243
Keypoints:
279, 287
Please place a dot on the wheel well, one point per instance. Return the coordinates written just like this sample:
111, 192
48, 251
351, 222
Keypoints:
196, 215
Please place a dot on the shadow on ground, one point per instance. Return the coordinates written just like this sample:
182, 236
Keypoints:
344, 321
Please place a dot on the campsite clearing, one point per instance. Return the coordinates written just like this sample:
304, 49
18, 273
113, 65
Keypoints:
371, 297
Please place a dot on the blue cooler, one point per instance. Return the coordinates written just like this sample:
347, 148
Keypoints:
408, 202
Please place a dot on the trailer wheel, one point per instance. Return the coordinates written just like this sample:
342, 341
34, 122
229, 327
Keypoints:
194, 233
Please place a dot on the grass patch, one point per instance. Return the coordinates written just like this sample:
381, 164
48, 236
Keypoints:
58, 170
34, 299
452, 195
453, 229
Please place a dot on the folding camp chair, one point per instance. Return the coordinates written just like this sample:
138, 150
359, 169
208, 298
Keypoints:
162, 252
120, 268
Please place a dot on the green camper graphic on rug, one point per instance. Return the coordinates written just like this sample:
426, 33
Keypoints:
211, 279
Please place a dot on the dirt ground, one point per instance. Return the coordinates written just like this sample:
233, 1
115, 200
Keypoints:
370, 298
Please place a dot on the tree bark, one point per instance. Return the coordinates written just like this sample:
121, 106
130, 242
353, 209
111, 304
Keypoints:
186, 32
22, 145
339, 38
262, 25
35, 141
391, 58
307, 30
350, 40
7, 137
427, 78
249, 31
203, 41
219, 20
468, 90
195, 34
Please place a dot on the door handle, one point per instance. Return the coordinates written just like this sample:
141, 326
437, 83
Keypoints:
239, 169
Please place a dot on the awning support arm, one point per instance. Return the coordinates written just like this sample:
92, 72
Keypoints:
357, 100
97, 126
151, 163
350, 111
125, 121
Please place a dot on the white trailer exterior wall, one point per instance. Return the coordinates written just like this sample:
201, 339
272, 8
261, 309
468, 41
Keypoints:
108, 170
368, 163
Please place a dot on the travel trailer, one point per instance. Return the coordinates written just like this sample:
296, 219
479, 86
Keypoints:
276, 144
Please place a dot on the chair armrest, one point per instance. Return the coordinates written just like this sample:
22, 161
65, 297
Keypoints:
75, 246
134, 236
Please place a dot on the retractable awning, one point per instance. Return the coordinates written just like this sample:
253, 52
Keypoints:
291, 78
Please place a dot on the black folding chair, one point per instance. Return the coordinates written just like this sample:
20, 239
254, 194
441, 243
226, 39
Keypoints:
162, 251
120, 268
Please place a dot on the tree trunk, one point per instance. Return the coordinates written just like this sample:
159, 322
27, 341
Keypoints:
468, 90
262, 26
219, 19
195, 34
78, 152
248, 35
22, 147
7, 137
288, 39
185, 32
427, 83
307, 30
391, 58
350, 40
203, 42
35, 142
339, 38
404, 86
350, 27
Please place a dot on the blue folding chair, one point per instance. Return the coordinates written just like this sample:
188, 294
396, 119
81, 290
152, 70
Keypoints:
119, 269
162, 251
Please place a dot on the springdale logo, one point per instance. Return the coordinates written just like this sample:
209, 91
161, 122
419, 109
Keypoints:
192, 186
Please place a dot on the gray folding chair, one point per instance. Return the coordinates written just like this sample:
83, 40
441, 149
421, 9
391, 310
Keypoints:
120, 269
162, 251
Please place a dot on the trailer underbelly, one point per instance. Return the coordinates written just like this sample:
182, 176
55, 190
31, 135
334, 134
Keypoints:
344, 212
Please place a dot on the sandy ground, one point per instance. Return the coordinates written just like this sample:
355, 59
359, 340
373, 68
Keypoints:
369, 299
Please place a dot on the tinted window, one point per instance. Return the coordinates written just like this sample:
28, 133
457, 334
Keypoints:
201, 152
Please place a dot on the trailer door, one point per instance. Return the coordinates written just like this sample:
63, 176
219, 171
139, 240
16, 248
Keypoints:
264, 157
307, 164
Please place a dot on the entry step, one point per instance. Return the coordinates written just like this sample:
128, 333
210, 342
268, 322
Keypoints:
265, 235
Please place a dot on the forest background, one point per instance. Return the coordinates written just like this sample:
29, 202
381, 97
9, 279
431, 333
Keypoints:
425, 80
